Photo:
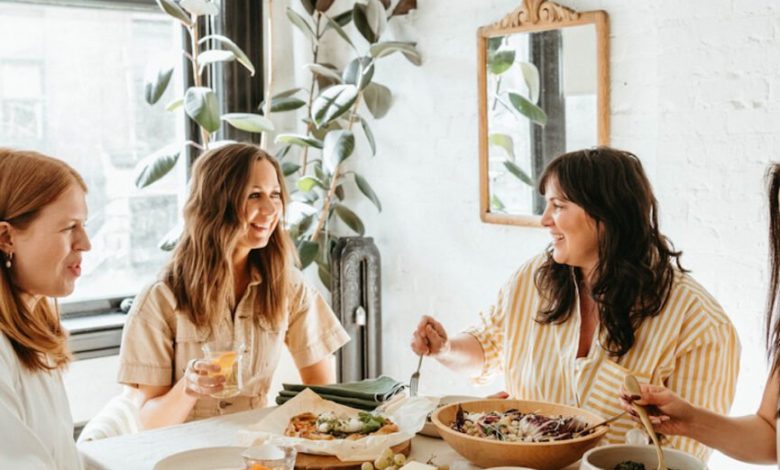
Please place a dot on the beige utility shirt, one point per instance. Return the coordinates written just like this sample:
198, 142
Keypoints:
159, 341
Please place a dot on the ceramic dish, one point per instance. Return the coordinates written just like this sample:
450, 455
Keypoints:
607, 457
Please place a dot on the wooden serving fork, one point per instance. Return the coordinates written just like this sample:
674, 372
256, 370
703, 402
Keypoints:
633, 388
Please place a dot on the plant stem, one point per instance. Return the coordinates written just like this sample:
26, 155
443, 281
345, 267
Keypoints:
194, 36
315, 54
333, 184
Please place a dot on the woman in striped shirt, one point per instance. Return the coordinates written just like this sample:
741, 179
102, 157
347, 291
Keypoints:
606, 299
750, 438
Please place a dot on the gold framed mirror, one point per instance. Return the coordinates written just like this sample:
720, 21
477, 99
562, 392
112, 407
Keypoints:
543, 89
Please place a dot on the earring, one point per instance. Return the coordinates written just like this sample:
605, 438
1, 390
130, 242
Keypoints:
8, 261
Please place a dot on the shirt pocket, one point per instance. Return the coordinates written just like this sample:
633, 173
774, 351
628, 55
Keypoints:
187, 345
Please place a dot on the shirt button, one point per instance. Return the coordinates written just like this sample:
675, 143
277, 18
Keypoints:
224, 404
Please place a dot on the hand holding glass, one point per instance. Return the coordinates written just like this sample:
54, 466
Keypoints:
224, 355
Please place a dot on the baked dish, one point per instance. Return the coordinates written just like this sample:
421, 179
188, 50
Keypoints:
328, 426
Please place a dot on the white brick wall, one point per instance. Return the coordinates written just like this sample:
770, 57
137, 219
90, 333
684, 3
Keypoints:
695, 88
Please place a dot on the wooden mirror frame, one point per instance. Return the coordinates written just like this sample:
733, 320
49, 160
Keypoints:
537, 15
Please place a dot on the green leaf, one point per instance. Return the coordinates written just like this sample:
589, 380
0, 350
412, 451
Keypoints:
279, 105
215, 55
307, 183
308, 5
289, 168
336, 25
505, 142
156, 165
496, 204
297, 139
242, 58
367, 191
369, 135
156, 85
342, 19
283, 152
531, 77
201, 105
307, 252
172, 9
404, 7
528, 109
249, 122
499, 62
175, 104
301, 23
338, 146
359, 72
332, 103
376, 16
494, 44
323, 271
378, 99
360, 20
518, 173
169, 240
200, 7
324, 71
382, 49
339, 192
286, 93
350, 218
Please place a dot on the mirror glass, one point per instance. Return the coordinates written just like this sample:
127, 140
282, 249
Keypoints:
541, 90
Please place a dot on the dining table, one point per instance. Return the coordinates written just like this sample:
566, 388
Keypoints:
142, 450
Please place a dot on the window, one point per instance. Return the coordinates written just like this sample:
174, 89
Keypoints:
72, 86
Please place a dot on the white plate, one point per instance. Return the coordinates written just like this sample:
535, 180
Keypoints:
210, 458
509, 468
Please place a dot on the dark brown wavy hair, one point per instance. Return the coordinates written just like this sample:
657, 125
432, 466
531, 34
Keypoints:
200, 273
30, 181
633, 278
773, 303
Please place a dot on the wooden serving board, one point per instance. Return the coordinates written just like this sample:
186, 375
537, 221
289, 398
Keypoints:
328, 462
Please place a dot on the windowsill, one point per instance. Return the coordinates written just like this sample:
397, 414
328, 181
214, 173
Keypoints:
96, 335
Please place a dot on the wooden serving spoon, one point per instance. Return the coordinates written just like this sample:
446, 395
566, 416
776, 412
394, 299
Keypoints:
633, 388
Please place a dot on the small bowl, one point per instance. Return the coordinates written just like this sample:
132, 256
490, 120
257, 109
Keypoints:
538, 455
429, 429
605, 458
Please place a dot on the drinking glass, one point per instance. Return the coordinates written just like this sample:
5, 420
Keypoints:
228, 357
269, 457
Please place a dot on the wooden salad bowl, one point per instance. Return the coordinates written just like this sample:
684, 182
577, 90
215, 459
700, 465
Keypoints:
538, 455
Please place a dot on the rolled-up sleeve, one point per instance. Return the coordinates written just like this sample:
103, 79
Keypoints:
490, 335
314, 332
146, 355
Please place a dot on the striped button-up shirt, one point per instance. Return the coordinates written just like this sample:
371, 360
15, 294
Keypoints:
691, 347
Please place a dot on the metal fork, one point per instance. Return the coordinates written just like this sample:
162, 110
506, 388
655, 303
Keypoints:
414, 381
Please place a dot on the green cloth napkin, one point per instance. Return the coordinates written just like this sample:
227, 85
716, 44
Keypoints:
377, 390
366, 405
364, 394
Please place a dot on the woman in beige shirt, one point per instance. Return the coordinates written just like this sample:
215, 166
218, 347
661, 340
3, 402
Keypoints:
232, 277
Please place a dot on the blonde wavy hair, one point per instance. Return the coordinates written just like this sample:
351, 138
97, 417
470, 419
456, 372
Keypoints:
200, 272
30, 182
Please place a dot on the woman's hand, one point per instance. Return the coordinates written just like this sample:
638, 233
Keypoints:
669, 413
198, 380
430, 338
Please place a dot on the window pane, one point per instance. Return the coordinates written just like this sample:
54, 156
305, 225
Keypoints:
72, 86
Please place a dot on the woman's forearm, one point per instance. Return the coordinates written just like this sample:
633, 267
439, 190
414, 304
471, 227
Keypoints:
747, 438
464, 355
169, 408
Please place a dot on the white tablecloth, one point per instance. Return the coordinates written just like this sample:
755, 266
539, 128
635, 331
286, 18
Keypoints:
141, 451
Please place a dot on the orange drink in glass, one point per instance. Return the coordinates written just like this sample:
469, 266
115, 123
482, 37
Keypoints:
224, 355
